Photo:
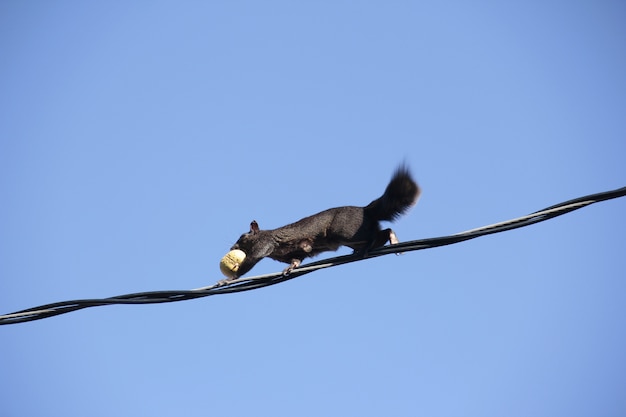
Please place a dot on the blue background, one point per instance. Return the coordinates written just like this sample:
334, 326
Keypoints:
139, 139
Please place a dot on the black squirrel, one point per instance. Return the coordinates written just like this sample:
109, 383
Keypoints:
355, 227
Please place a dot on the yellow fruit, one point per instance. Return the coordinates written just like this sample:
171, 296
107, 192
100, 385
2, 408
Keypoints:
229, 265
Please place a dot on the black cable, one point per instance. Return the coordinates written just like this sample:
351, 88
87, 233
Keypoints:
251, 283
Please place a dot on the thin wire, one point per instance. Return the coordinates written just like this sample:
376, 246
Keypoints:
259, 281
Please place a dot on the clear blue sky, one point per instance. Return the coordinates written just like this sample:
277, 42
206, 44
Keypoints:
139, 139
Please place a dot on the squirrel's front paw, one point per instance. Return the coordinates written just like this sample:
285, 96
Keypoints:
293, 265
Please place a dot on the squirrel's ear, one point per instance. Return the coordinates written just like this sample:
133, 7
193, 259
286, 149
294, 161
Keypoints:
254, 227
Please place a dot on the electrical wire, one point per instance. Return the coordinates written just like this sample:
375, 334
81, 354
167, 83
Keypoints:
259, 281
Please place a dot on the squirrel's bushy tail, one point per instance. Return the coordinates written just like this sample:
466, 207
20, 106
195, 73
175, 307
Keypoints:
401, 193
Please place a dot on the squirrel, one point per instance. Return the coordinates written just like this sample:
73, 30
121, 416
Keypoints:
355, 227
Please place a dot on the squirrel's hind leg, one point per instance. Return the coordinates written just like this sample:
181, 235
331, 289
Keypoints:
380, 239
385, 236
